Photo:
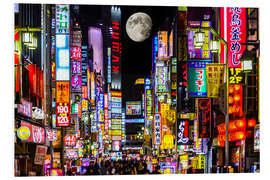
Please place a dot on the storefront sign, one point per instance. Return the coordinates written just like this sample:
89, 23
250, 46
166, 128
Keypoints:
215, 79
157, 129
233, 30
51, 134
23, 133
236, 76
197, 78
37, 134
204, 117
182, 132
25, 108
40, 154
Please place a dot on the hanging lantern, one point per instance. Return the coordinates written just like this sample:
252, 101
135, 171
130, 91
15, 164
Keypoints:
198, 39
27, 38
214, 46
251, 123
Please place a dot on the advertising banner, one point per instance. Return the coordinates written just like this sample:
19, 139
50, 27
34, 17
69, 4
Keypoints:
62, 91
197, 78
182, 132
215, 79
204, 117
40, 154
133, 108
37, 134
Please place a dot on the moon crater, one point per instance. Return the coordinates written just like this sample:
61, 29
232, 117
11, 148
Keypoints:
139, 26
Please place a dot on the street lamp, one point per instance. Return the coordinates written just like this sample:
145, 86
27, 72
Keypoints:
214, 46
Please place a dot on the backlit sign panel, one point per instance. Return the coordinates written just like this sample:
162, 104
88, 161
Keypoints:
75, 53
133, 108
233, 30
62, 18
116, 50
197, 78
62, 114
37, 134
62, 91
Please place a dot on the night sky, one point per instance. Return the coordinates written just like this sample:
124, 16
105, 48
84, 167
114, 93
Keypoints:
136, 56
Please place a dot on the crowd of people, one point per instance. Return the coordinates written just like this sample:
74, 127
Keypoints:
119, 167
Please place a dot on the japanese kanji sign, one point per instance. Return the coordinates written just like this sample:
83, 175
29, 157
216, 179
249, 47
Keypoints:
233, 29
197, 78
157, 129
215, 78
62, 91
62, 19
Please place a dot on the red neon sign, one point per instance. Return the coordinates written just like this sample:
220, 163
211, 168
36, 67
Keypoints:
76, 53
233, 30
70, 140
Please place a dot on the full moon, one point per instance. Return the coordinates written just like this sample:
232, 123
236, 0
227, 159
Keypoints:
139, 26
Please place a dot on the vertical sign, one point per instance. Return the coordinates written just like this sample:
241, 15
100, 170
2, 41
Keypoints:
204, 117
215, 79
182, 132
157, 129
116, 48
197, 78
162, 45
62, 18
205, 50
233, 30
161, 79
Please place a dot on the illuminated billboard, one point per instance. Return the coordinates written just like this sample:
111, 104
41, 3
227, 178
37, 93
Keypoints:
162, 45
197, 78
233, 30
62, 57
116, 48
36, 133
62, 18
133, 108
161, 79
